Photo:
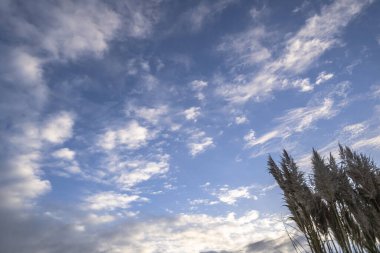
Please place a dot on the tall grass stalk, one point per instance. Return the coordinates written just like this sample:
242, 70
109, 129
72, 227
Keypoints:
338, 208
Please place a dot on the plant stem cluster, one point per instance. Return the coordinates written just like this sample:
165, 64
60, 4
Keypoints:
338, 208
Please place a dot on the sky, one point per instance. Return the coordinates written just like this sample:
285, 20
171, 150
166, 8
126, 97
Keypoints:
145, 126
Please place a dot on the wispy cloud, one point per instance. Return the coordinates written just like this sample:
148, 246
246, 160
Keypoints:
195, 18
132, 136
247, 48
319, 34
232, 195
323, 77
152, 115
64, 153
192, 113
239, 120
300, 119
198, 86
109, 201
138, 171
69, 29
199, 142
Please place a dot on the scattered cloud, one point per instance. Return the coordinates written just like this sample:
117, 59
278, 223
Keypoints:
303, 84
199, 142
199, 15
251, 139
375, 90
138, 171
297, 120
319, 34
198, 86
21, 181
64, 153
231, 196
139, 18
132, 136
152, 115
239, 120
208, 202
367, 142
58, 128
109, 201
22, 178
124, 159
355, 129
192, 113
96, 219
65, 31
323, 77
66, 162
247, 47
82, 28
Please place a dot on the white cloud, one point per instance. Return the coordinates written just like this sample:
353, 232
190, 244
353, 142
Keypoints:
319, 34
196, 202
24, 178
198, 84
139, 171
21, 175
79, 28
109, 201
29, 67
132, 136
231, 196
192, 113
247, 47
190, 233
64, 31
303, 84
241, 120
150, 114
96, 219
198, 16
73, 168
140, 17
362, 136
58, 128
251, 139
199, 142
373, 142
375, 91
355, 129
300, 119
323, 77
64, 153
25, 71
67, 162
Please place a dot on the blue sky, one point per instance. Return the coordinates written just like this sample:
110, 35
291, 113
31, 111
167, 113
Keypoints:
144, 126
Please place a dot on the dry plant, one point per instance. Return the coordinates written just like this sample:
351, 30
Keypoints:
338, 208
